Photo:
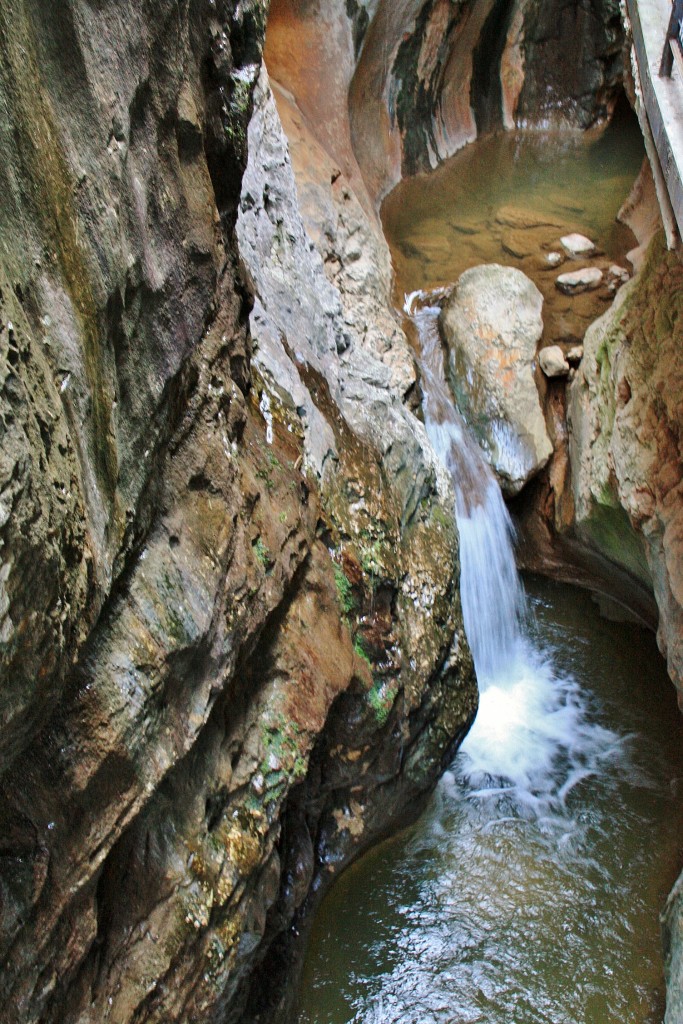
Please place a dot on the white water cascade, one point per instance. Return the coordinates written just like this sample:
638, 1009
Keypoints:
532, 740
524, 893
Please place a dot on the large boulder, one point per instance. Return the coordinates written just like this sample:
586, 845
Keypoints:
492, 324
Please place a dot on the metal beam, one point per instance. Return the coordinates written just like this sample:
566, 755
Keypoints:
662, 99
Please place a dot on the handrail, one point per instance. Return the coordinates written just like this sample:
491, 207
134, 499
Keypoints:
659, 102
673, 44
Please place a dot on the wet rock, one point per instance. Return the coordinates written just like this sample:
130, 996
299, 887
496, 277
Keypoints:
619, 274
577, 281
492, 323
553, 362
578, 246
624, 415
518, 243
522, 219
640, 212
672, 934
188, 409
447, 73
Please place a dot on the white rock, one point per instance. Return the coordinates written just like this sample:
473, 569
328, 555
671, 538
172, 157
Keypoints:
620, 273
492, 324
553, 259
578, 245
553, 362
575, 354
579, 280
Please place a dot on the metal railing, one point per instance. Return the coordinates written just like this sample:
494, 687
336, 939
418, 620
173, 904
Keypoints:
673, 44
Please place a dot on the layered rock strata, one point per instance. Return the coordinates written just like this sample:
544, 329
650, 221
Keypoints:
232, 649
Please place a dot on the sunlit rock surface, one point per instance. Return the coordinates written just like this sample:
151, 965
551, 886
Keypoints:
492, 324
232, 648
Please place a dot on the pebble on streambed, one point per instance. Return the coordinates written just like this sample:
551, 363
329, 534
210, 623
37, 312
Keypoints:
578, 246
577, 281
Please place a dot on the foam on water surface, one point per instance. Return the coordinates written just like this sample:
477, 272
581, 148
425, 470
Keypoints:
529, 891
533, 739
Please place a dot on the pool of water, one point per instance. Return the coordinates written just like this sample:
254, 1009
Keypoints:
530, 890
495, 911
509, 199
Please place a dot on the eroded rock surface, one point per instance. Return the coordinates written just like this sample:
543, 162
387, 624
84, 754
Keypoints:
625, 414
232, 647
444, 73
492, 324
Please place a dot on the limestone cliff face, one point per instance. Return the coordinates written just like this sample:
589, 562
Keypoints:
625, 416
117, 170
425, 77
232, 649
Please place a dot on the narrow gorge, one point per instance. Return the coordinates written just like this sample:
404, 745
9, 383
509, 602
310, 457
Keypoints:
319, 319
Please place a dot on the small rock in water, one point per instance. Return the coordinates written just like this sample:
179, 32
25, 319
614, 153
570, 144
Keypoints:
553, 259
579, 280
553, 362
620, 273
578, 245
575, 354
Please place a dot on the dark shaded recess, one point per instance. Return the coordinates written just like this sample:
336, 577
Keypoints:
415, 100
360, 21
486, 93
575, 51
272, 990
229, 103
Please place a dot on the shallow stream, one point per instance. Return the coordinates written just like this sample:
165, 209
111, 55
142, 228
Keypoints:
509, 199
531, 888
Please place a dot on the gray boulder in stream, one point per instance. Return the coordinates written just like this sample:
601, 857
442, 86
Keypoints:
492, 323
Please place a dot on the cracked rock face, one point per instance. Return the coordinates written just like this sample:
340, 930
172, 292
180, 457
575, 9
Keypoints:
232, 646
626, 454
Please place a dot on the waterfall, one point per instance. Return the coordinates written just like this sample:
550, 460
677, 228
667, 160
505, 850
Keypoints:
532, 740
494, 606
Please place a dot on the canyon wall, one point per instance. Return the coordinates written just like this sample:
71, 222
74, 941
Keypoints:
393, 88
625, 415
232, 647
231, 639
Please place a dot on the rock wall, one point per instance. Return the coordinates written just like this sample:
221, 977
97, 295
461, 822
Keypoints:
117, 170
230, 634
232, 648
625, 415
444, 72
450, 72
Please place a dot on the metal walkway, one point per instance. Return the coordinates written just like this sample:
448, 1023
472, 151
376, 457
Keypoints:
661, 101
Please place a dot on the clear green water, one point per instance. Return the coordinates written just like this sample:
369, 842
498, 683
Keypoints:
484, 913
442, 223
509, 199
